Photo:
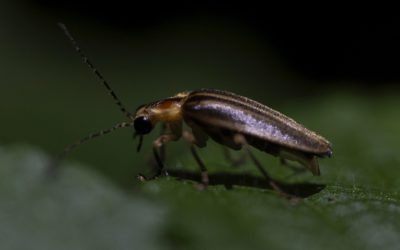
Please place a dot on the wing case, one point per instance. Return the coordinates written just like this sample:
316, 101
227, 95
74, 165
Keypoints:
228, 113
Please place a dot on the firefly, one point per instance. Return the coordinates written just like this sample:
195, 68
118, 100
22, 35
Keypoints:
234, 121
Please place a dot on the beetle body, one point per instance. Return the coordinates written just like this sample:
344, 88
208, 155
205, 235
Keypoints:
229, 119
222, 115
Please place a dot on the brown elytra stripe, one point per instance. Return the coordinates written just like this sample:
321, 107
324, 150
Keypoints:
310, 140
241, 102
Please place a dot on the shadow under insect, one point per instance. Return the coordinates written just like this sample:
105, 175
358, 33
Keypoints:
229, 180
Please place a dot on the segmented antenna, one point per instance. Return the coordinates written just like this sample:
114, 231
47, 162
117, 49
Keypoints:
69, 148
95, 71
55, 163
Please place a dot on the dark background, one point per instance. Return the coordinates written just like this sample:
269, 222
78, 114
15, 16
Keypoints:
323, 43
288, 58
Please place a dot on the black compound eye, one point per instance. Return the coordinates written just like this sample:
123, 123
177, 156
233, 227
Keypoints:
142, 125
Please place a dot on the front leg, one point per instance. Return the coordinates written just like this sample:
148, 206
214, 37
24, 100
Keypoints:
173, 133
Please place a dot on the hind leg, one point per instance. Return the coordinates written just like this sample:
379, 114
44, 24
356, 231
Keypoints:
239, 139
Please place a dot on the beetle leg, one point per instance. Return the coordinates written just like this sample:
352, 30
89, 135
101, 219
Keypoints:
204, 174
157, 144
173, 132
240, 139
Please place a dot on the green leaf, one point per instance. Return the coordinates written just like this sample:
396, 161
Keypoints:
358, 208
75, 210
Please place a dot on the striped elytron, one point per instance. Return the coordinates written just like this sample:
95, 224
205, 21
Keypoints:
229, 119
233, 121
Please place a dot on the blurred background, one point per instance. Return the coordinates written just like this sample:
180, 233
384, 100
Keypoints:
290, 60
335, 70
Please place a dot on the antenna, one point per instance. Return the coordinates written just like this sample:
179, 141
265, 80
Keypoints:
95, 71
51, 170
69, 148
94, 135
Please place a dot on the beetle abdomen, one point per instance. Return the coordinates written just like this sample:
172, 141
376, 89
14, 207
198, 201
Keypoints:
216, 110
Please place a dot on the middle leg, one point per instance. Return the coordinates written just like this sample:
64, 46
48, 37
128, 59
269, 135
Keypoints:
204, 174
